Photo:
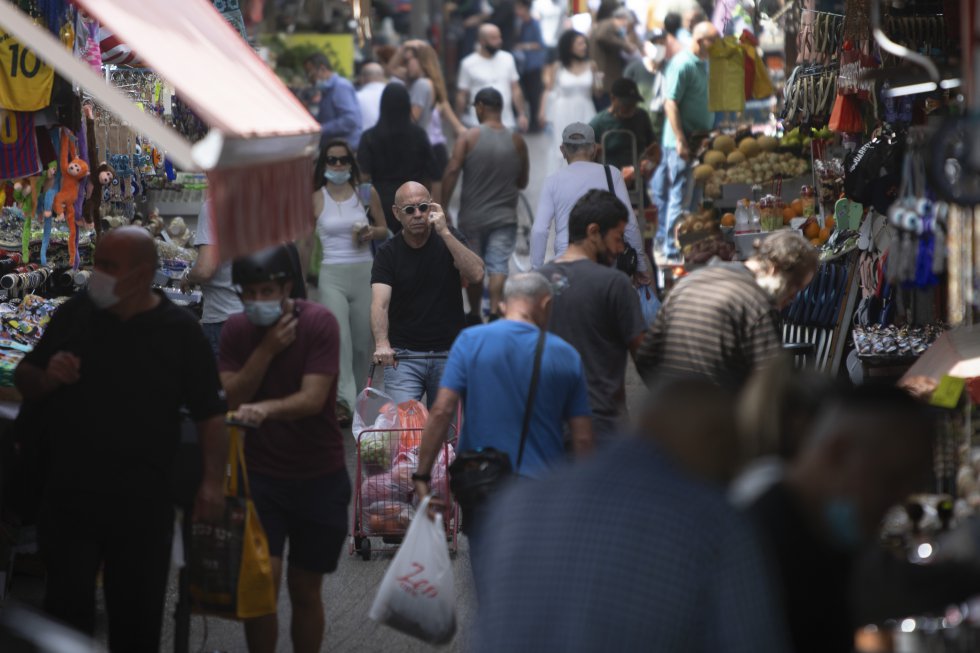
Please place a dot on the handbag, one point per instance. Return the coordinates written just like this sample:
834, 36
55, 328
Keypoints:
629, 260
477, 474
230, 569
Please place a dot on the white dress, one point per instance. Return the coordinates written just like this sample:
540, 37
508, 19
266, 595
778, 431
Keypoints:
571, 101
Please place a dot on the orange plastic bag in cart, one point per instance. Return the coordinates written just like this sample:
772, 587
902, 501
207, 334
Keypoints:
411, 415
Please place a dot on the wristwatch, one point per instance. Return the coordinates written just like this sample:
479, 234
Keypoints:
425, 478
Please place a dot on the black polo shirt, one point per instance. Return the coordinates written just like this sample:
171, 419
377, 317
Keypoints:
118, 428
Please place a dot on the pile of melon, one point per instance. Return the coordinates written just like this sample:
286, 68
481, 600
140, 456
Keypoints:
751, 161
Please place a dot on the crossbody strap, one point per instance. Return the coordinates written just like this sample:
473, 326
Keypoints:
609, 179
535, 375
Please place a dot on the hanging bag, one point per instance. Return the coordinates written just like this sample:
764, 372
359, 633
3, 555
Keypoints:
629, 260
229, 565
477, 474
417, 595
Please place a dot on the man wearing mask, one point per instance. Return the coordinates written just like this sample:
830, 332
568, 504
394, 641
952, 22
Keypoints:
279, 362
108, 381
596, 310
688, 121
491, 66
720, 322
339, 112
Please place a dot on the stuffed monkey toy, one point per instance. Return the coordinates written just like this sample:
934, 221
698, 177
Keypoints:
73, 170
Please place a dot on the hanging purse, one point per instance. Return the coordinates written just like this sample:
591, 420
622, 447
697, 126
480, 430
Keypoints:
629, 260
477, 474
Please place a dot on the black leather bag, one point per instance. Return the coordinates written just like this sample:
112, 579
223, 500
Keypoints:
477, 474
629, 260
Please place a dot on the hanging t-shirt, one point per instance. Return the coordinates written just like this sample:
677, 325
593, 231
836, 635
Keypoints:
18, 145
25, 80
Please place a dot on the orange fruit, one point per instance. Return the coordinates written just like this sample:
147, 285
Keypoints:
797, 206
811, 230
815, 242
829, 222
728, 220
824, 235
787, 219
788, 214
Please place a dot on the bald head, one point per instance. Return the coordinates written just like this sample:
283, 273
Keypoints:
410, 192
490, 39
133, 246
372, 72
703, 37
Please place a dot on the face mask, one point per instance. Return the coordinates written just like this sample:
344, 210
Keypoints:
102, 289
656, 52
841, 517
265, 313
337, 176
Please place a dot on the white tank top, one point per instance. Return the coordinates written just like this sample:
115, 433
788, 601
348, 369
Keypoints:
335, 226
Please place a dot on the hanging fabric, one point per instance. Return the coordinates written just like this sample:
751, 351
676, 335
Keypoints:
726, 75
761, 84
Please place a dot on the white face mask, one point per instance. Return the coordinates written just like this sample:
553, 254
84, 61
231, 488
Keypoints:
101, 289
654, 52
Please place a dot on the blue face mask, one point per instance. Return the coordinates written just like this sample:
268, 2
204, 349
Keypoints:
263, 314
841, 517
337, 176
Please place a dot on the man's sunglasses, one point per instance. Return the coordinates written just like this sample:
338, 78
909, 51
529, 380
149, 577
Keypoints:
410, 208
339, 160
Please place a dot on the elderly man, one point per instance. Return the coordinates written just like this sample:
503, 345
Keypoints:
564, 188
493, 67
108, 380
720, 322
339, 113
416, 294
495, 167
490, 368
688, 121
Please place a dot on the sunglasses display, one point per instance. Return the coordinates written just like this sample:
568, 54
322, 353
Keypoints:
410, 209
339, 160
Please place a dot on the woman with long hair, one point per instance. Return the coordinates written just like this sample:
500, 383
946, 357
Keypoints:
348, 216
395, 150
569, 86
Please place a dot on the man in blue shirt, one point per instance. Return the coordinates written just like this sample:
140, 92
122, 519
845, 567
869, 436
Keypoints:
339, 114
490, 368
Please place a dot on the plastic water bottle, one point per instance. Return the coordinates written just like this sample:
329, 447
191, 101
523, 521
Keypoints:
742, 218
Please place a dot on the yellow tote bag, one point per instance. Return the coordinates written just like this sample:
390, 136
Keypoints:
726, 75
230, 569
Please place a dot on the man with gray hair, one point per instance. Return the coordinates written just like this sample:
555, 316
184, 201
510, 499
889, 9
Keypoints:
490, 368
564, 188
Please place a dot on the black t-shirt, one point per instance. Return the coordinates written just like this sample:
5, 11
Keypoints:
426, 309
117, 429
393, 159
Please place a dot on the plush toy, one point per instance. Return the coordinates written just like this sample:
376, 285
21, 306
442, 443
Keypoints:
73, 170
46, 208
24, 191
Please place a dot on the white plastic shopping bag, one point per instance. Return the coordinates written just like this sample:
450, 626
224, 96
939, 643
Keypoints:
374, 411
417, 595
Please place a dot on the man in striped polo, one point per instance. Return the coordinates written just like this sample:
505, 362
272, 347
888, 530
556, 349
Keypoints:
722, 322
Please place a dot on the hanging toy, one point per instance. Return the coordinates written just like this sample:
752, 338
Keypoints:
46, 209
24, 192
73, 170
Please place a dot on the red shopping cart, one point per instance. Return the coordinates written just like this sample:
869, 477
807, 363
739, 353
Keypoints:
387, 455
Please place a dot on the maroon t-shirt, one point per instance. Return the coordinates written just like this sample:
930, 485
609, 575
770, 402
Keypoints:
302, 448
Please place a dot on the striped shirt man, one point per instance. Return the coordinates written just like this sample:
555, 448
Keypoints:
717, 323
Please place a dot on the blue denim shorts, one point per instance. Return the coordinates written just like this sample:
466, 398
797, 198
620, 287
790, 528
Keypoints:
494, 246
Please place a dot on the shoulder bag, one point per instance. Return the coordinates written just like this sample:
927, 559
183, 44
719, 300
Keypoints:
628, 261
476, 474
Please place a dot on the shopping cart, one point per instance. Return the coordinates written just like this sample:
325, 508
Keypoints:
387, 456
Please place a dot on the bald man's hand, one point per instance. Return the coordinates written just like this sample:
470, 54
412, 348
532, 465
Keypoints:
437, 218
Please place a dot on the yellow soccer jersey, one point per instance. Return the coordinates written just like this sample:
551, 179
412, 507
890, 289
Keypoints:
25, 80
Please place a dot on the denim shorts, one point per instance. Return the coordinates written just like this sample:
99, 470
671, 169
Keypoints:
311, 513
494, 246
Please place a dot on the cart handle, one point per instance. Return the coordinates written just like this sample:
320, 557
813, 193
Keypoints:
407, 357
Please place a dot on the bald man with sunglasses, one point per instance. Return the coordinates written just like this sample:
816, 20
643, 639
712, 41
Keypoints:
416, 294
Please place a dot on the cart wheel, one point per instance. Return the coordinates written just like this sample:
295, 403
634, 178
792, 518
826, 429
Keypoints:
365, 549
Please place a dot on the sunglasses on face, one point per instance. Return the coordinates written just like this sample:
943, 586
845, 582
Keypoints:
410, 209
339, 160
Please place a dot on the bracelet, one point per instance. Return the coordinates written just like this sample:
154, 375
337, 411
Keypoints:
425, 478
